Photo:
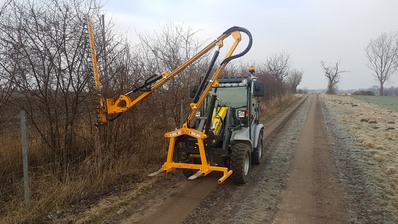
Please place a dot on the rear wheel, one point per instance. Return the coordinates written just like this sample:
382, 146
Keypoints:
240, 162
257, 153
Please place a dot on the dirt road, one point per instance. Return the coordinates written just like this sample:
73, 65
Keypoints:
297, 182
313, 194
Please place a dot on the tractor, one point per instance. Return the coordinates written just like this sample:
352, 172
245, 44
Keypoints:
222, 133
230, 119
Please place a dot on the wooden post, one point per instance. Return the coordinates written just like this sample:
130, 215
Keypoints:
25, 160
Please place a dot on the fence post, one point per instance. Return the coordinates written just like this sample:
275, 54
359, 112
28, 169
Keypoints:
25, 160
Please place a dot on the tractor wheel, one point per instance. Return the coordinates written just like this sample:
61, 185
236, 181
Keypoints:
257, 153
240, 162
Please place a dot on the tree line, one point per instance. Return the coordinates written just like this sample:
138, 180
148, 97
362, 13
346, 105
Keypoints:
382, 59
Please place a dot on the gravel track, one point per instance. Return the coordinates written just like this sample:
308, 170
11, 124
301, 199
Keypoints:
256, 201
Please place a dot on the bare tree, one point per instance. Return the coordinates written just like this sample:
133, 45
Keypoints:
46, 47
294, 79
7, 66
382, 54
4, 5
164, 52
7, 79
278, 65
332, 73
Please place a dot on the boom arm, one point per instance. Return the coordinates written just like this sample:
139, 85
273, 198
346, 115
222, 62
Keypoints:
124, 102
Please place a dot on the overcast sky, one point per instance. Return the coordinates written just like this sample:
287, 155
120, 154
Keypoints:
309, 30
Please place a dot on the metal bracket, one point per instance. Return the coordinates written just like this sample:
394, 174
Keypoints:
196, 175
156, 173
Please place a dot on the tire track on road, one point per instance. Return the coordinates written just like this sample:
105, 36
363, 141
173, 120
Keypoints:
313, 193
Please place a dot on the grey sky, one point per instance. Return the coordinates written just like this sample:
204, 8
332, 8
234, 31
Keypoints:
310, 30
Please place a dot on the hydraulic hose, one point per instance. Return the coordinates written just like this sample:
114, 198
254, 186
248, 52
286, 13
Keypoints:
146, 87
205, 80
249, 45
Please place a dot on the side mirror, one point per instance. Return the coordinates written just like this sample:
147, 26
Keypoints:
192, 91
258, 89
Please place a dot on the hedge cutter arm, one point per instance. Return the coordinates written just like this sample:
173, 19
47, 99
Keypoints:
124, 103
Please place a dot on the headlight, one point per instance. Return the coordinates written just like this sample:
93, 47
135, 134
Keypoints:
241, 113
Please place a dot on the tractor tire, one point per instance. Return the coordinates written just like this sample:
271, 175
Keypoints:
240, 162
258, 152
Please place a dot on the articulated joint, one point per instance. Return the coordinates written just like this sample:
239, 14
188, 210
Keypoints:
165, 75
215, 84
193, 106
236, 35
121, 105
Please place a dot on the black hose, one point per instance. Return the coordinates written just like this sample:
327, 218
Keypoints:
249, 45
146, 87
204, 81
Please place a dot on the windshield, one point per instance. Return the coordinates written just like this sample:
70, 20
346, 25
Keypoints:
232, 96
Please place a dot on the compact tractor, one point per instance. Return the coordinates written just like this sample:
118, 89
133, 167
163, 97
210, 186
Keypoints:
222, 132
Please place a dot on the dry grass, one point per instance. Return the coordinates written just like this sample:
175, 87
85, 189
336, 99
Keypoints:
108, 160
376, 130
276, 105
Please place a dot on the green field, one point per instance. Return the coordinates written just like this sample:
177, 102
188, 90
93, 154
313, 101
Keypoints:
389, 102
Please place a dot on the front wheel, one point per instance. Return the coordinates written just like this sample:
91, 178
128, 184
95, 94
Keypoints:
240, 162
257, 153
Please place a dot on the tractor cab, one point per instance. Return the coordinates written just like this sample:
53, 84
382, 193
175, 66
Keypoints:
230, 119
